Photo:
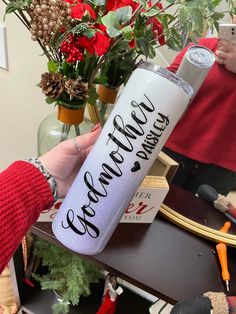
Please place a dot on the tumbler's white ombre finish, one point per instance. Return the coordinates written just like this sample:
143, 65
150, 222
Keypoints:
147, 110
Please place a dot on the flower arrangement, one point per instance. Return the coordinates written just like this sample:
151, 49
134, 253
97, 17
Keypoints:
100, 41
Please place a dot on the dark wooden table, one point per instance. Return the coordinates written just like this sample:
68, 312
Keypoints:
161, 258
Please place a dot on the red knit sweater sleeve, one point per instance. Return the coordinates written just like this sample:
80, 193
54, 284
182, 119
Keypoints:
24, 194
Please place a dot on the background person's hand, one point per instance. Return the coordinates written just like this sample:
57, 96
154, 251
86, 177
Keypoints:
226, 55
64, 160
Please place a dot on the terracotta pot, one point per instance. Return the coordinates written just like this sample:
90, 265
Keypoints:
70, 116
107, 94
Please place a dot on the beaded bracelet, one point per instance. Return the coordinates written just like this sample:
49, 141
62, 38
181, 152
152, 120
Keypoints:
51, 181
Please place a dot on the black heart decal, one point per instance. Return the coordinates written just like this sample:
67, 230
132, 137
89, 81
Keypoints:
136, 166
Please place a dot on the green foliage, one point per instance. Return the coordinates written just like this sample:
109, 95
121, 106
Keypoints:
52, 66
80, 28
142, 2
98, 2
92, 95
49, 100
14, 6
118, 68
68, 274
60, 308
124, 14
114, 20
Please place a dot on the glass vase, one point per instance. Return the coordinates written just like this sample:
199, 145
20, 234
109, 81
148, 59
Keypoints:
60, 126
106, 101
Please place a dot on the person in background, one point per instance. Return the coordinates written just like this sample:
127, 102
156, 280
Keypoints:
204, 140
31, 186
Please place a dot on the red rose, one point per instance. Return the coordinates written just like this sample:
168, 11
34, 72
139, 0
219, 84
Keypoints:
101, 27
78, 11
157, 29
159, 5
88, 8
113, 5
101, 43
86, 43
69, 1
132, 43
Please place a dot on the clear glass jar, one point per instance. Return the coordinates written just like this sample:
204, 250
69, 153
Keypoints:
106, 101
52, 131
104, 110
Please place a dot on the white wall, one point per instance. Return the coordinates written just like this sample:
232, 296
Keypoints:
22, 105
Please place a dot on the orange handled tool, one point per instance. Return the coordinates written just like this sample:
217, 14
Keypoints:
226, 227
222, 254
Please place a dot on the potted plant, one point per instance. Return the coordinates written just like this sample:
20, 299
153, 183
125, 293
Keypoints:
67, 274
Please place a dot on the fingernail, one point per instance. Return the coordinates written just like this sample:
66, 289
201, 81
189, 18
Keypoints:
97, 126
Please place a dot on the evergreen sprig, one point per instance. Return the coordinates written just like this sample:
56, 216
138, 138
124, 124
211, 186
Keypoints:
68, 274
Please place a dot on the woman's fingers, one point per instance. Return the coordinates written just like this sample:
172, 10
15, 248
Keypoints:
81, 142
86, 140
221, 56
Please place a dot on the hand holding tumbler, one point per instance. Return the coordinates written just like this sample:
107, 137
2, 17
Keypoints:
146, 112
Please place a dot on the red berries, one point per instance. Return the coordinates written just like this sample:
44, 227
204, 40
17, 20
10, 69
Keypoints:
71, 49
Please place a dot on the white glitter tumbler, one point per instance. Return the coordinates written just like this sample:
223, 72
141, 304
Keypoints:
146, 112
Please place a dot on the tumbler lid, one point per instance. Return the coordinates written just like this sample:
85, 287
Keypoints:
168, 75
200, 56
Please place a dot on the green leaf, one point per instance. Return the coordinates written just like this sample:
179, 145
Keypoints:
113, 32
174, 39
215, 3
195, 3
127, 32
98, 2
217, 16
89, 33
192, 38
183, 14
124, 14
50, 100
197, 18
27, 2
80, 28
144, 46
12, 7
52, 66
111, 20
216, 25
67, 68
152, 12
142, 2
93, 96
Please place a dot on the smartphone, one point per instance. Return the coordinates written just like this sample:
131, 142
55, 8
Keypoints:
228, 32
